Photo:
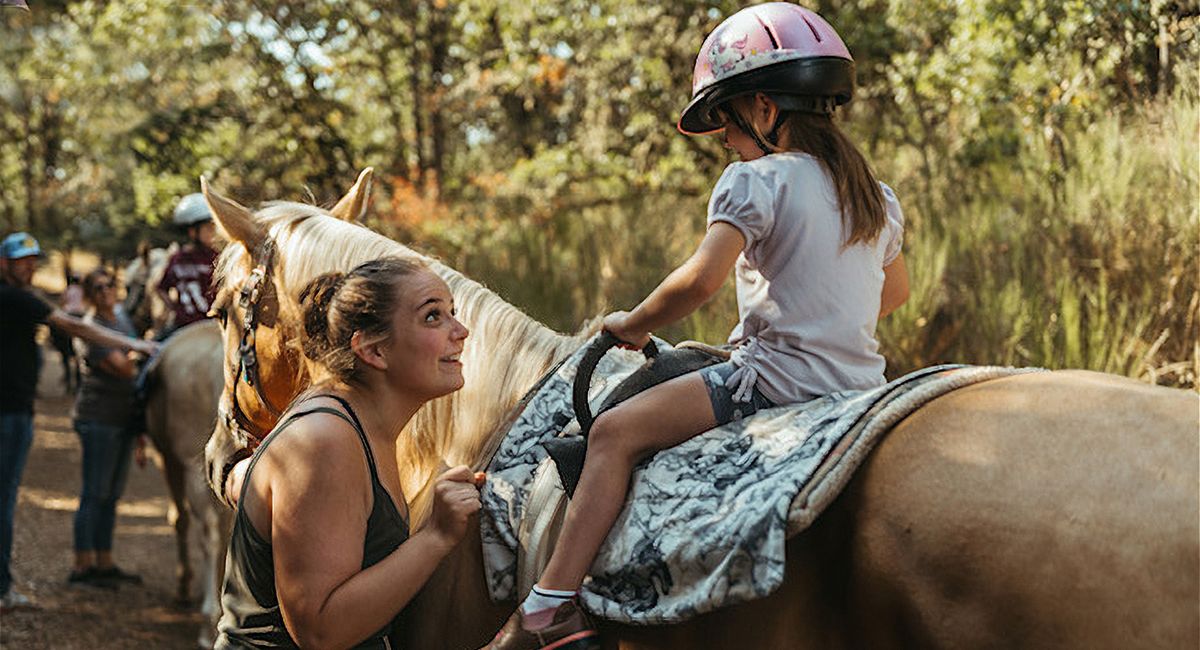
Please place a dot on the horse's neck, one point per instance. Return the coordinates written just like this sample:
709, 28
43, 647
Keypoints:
454, 609
505, 355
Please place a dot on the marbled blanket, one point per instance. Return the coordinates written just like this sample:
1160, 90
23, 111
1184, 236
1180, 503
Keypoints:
706, 522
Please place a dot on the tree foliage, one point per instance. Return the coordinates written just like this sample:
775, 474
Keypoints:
112, 110
532, 138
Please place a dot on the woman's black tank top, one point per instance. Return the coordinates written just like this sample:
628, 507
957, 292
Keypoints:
250, 610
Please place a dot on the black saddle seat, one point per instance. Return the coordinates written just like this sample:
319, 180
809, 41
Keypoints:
568, 452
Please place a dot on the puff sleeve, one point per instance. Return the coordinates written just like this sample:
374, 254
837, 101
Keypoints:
893, 229
743, 199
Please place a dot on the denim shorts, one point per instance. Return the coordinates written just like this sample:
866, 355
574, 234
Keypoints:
724, 408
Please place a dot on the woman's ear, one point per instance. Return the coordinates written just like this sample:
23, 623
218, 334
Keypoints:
371, 353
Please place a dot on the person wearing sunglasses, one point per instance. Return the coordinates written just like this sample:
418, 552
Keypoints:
101, 417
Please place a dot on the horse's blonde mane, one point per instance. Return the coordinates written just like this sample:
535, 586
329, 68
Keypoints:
505, 354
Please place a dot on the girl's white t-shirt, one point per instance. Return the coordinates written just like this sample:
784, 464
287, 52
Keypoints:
808, 307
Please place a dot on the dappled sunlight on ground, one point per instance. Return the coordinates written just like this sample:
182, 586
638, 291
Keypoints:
48, 500
55, 439
81, 618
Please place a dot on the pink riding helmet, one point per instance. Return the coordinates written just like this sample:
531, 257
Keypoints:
777, 48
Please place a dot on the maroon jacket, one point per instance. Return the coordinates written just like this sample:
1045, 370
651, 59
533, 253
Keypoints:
189, 272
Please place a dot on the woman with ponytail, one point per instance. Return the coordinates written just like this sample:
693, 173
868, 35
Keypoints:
321, 555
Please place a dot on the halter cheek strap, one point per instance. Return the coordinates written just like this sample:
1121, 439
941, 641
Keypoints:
247, 350
233, 417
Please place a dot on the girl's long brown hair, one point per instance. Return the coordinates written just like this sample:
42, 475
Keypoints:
858, 193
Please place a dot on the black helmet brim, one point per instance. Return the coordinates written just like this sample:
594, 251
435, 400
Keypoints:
809, 78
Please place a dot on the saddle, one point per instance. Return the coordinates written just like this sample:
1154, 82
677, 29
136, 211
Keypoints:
555, 480
704, 522
568, 452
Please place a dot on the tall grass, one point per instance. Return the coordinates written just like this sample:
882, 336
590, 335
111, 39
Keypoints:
1088, 260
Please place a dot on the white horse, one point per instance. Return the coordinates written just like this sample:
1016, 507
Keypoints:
145, 307
185, 383
1044, 510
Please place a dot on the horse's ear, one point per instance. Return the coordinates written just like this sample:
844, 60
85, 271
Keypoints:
237, 222
353, 206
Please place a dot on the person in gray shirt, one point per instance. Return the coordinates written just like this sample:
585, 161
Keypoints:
103, 407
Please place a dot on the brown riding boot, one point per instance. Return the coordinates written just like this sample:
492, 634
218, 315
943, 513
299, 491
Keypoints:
568, 630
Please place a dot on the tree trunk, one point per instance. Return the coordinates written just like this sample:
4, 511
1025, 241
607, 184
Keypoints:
27, 171
416, 67
439, 24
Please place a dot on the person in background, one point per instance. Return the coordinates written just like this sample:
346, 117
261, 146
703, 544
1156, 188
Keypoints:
186, 283
20, 313
186, 287
102, 411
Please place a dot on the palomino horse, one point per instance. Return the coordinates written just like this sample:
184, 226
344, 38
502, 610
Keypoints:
185, 383
1043, 510
143, 304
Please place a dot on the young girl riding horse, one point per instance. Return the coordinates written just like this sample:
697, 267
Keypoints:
321, 554
815, 243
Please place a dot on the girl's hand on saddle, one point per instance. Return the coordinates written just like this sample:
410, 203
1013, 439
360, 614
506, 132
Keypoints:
618, 324
455, 499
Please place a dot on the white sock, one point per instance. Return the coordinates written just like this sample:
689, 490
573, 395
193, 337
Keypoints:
540, 599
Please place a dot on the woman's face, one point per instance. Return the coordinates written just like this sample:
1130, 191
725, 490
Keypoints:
427, 340
102, 293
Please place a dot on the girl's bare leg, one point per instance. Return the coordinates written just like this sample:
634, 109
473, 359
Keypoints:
656, 419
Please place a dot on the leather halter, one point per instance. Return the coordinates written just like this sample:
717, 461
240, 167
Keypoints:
234, 417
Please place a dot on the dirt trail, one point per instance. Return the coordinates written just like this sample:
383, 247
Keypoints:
75, 618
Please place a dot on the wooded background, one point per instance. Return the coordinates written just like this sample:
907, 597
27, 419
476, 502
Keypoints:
1045, 151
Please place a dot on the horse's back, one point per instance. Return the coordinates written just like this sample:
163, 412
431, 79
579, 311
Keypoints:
1045, 510
186, 386
1052, 510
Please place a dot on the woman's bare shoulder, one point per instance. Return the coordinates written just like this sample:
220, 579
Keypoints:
318, 445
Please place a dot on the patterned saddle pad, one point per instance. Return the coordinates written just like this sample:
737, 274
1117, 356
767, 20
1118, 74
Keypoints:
705, 522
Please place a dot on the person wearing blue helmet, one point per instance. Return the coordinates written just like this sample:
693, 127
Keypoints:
21, 312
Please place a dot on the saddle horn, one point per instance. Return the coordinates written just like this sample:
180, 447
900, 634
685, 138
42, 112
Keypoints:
568, 452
